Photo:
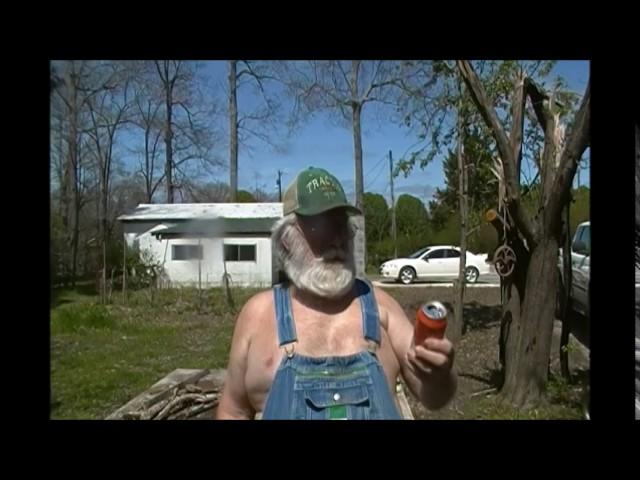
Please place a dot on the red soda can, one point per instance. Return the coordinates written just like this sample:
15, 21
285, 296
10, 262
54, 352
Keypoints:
431, 321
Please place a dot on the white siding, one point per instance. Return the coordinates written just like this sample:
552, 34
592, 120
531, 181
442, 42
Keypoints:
211, 268
252, 273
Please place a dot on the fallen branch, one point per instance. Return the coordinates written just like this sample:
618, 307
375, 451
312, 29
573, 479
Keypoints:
483, 392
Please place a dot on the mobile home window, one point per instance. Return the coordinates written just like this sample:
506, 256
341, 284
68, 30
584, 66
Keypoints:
186, 252
239, 253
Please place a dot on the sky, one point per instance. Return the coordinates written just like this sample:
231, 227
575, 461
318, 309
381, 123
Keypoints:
320, 143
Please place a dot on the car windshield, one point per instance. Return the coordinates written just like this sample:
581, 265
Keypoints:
420, 252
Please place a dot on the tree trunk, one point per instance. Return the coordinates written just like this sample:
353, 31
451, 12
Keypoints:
357, 152
512, 288
148, 174
103, 232
69, 189
394, 231
528, 344
124, 270
76, 235
233, 129
76, 203
514, 292
566, 303
168, 140
455, 331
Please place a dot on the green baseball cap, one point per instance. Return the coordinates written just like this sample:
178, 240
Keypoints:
315, 191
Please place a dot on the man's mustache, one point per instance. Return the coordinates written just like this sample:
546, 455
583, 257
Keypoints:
334, 254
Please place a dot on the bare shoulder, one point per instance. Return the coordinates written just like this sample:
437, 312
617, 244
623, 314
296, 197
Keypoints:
390, 310
385, 300
254, 311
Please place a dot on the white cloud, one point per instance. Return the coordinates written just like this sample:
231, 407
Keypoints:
418, 189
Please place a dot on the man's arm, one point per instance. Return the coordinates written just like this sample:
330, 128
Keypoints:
234, 403
428, 368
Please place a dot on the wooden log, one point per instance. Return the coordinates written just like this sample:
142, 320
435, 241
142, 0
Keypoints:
161, 390
403, 403
494, 218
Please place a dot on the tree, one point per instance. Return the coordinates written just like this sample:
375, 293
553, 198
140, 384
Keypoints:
245, 197
482, 187
431, 109
343, 88
411, 216
148, 103
187, 133
531, 289
430, 99
255, 123
376, 217
210, 192
169, 73
456, 327
74, 89
108, 110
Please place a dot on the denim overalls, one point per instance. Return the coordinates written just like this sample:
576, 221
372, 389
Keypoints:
350, 387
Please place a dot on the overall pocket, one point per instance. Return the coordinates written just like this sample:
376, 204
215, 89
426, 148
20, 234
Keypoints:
338, 403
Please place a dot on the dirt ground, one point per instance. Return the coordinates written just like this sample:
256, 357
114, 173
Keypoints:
477, 361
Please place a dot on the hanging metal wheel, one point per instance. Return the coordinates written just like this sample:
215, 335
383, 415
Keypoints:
504, 259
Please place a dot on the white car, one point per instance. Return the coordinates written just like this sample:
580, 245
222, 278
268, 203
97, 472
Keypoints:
435, 263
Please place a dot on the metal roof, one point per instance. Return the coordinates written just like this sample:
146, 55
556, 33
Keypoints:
190, 211
216, 227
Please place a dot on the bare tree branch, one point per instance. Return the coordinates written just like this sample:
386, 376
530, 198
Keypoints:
517, 113
538, 96
344, 74
575, 146
490, 117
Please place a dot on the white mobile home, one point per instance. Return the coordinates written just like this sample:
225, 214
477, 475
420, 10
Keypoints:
195, 242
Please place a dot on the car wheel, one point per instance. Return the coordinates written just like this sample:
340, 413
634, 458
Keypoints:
407, 275
471, 274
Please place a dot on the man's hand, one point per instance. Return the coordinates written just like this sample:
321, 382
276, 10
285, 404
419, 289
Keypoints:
427, 369
432, 360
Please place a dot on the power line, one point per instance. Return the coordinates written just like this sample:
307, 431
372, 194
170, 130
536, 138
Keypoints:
375, 166
371, 182
379, 165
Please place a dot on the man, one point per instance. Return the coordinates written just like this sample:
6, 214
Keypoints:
326, 345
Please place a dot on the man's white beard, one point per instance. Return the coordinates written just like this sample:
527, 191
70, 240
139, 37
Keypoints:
330, 276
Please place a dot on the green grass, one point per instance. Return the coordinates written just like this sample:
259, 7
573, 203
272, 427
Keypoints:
104, 355
491, 409
563, 402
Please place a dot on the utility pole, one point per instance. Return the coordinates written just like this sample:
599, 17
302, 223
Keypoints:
280, 185
393, 209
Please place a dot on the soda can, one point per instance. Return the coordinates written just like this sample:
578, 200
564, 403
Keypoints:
431, 321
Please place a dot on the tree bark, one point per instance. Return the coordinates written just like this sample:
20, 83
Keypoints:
70, 188
356, 109
513, 287
357, 150
455, 332
168, 128
529, 342
565, 313
233, 129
